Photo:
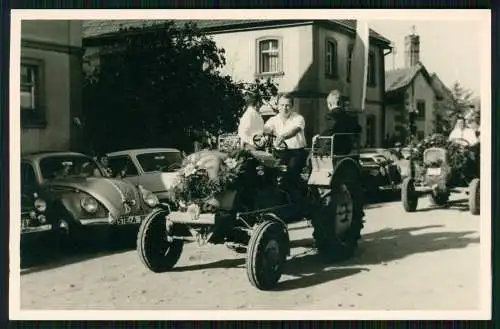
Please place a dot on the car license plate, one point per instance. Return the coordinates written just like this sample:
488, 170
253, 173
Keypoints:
129, 220
433, 171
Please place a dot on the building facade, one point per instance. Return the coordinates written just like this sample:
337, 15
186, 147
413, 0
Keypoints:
305, 58
51, 82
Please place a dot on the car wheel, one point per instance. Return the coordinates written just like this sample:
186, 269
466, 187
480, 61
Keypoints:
69, 236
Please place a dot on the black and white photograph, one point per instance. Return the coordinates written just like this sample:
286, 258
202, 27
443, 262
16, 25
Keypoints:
195, 164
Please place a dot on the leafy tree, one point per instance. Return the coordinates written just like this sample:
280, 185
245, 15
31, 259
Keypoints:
161, 87
457, 102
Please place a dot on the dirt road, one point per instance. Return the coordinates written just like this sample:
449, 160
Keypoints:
428, 260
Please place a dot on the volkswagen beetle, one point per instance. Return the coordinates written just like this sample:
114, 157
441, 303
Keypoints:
80, 196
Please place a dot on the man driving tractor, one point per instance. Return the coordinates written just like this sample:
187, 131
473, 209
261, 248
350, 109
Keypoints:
463, 132
288, 127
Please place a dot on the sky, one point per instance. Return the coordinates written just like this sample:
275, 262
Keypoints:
451, 49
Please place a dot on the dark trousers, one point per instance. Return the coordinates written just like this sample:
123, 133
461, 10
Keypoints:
295, 160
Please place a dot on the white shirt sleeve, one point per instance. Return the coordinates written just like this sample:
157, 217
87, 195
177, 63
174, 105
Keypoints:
244, 126
454, 134
269, 124
470, 136
298, 121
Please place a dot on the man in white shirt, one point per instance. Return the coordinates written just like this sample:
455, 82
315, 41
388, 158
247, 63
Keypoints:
251, 122
288, 126
461, 131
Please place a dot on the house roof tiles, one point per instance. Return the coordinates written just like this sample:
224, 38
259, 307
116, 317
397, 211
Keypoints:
98, 28
399, 79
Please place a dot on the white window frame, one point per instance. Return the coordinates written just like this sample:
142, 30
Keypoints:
259, 55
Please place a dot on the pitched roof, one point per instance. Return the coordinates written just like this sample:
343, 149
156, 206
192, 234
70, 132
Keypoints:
352, 24
439, 86
98, 28
400, 78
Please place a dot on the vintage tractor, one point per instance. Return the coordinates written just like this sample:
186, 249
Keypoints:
438, 178
250, 212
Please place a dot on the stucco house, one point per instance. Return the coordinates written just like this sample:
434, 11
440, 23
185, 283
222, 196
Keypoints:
51, 82
412, 88
305, 57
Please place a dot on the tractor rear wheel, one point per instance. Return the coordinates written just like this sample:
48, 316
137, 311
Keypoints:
339, 220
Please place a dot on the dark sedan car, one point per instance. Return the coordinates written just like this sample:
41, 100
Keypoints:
79, 195
380, 173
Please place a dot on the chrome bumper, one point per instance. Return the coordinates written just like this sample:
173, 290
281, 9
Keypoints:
122, 221
36, 229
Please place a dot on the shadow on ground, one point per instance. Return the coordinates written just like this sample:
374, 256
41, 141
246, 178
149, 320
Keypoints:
461, 205
372, 202
37, 257
307, 270
225, 263
388, 245
311, 270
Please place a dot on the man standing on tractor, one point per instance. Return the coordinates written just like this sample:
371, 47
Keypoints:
339, 121
251, 122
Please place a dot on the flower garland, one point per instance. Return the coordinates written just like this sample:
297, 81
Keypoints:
194, 183
458, 157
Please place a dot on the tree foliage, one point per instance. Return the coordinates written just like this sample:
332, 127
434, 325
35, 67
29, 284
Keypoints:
457, 103
161, 87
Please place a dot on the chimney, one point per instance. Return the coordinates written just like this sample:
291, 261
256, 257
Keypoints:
412, 49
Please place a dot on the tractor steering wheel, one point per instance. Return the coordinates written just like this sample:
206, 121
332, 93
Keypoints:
267, 141
281, 147
259, 140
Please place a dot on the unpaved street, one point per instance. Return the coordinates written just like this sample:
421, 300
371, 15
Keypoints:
425, 260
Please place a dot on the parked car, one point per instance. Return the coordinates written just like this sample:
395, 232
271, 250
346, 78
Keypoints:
390, 154
79, 196
153, 168
35, 227
380, 173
